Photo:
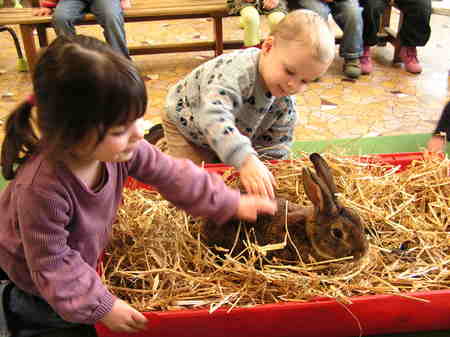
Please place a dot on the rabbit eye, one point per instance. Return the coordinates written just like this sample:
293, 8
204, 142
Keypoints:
337, 233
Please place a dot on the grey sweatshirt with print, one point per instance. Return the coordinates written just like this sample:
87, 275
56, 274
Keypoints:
224, 105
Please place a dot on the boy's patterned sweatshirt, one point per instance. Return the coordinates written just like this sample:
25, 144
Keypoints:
224, 105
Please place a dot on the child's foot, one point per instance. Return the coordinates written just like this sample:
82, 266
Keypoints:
366, 61
409, 58
352, 68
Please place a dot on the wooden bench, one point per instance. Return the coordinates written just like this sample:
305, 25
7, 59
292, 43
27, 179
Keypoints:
441, 7
149, 10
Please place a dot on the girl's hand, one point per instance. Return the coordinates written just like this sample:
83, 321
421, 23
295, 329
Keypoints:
256, 178
250, 206
124, 318
43, 11
270, 4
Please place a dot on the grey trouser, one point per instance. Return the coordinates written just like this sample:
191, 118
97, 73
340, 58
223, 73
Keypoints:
109, 14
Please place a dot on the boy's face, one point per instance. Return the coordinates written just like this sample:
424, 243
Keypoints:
288, 66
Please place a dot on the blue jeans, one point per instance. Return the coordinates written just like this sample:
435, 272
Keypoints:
108, 13
348, 16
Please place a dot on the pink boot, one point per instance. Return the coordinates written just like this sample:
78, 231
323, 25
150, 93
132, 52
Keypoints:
366, 61
408, 56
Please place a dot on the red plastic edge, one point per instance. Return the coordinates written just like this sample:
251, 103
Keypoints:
366, 315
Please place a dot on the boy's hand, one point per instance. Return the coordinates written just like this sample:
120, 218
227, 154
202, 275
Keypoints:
250, 206
43, 11
256, 178
270, 4
124, 318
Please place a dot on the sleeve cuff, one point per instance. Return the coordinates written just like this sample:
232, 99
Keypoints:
105, 306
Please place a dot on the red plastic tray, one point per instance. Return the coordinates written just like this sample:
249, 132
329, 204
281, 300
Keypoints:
367, 315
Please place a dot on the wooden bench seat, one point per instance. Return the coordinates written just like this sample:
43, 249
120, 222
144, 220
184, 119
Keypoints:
149, 10
152, 10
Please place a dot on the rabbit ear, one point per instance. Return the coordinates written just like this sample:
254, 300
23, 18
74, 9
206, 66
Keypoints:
319, 194
324, 172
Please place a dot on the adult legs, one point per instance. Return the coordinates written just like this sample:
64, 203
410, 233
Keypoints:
110, 16
415, 31
347, 15
67, 13
321, 8
371, 15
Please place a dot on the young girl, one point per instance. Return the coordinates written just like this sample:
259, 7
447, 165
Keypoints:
249, 10
67, 182
239, 106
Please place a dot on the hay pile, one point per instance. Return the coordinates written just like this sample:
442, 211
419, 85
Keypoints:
156, 262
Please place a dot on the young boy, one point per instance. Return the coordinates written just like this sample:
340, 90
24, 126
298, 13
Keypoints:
238, 107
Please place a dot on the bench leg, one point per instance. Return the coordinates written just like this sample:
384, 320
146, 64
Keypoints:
29, 45
218, 35
42, 36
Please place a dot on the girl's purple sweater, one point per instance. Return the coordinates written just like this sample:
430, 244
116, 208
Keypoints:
54, 228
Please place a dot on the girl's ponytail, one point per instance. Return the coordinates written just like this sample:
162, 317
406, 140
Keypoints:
20, 139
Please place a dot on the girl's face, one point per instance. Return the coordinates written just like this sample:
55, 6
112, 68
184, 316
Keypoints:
118, 145
287, 67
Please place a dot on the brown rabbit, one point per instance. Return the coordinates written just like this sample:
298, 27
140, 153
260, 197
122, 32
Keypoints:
323, 231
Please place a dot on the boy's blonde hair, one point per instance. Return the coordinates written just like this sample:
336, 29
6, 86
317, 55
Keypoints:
310, 28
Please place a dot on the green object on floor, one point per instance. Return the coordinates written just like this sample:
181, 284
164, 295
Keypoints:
369, 145
22, 65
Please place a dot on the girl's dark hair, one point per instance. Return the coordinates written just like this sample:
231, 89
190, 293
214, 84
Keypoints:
80, 85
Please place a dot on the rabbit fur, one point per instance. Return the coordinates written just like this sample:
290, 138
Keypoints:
324, 231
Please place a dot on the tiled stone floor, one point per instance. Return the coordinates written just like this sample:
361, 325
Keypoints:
388, 102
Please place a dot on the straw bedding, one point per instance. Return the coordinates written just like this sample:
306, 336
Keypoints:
156, 261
